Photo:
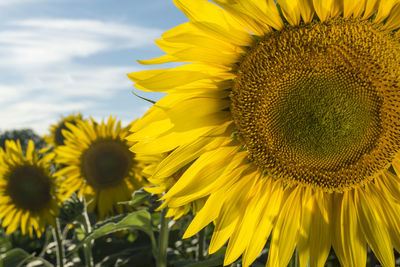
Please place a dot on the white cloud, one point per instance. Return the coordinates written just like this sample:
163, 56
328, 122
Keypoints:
40, 42
16, 2
8, 93
80, 81
40, 97
37, 112
48, 80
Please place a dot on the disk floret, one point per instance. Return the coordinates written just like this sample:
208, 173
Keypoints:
314, 105
29, 187
106, 163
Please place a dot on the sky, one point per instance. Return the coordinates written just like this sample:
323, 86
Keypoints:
59, 57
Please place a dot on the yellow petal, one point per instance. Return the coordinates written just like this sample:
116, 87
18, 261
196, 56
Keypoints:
371, 6
290, 10
172, 139
157, 111
353, 8
306, 10
287, 229
208, 213
244, 17
326, 9
348, 241
303, 245
248, 223
384, 9
374, 228
320, 234
9, 218
260, 236
218, 23
264, 11
14, 223
171, 79
211, 208
24, 221
208, 56
187, 153
203, 172
391, 212
237, 197
29, 151
159, 60
5, 211
393, 21
390, 186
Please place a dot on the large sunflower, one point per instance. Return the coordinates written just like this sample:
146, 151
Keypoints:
98, 164
290, 116
28, 192
56, 137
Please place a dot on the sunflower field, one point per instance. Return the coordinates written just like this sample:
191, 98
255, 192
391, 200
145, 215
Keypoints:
276, 143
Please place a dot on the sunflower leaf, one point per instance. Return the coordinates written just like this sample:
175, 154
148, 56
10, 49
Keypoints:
138, 198
19, 257
139, 220
14, 257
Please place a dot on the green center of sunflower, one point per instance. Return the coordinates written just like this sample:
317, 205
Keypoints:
29, 187
106, 163
318, 104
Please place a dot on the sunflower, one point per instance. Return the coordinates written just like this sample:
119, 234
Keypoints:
161, 184
28, 191
99, 165
289, 114
56, 137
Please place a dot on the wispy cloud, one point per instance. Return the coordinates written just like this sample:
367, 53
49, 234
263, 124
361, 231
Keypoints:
37, 112
38, 42
17, 2
80, 81
47, 54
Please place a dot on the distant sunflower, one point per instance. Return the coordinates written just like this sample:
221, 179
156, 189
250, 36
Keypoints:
99, 165
28, 192
56, 137
290, 117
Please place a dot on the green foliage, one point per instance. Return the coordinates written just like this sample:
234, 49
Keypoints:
18, 257
139, 220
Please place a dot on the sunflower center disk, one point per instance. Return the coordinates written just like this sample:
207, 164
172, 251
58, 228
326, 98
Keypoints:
318, 104
29, 188
106, 163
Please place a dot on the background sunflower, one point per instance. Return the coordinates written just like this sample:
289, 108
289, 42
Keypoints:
98, 165
29, 199
56, 137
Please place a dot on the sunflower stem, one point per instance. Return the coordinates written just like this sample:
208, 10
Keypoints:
202, 244
87, 247
59, 244
163, 240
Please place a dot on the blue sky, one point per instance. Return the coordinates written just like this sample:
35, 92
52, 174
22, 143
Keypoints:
63, 56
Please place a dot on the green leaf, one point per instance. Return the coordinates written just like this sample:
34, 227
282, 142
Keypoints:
138, 198
14, 257
17, 257
140, 220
